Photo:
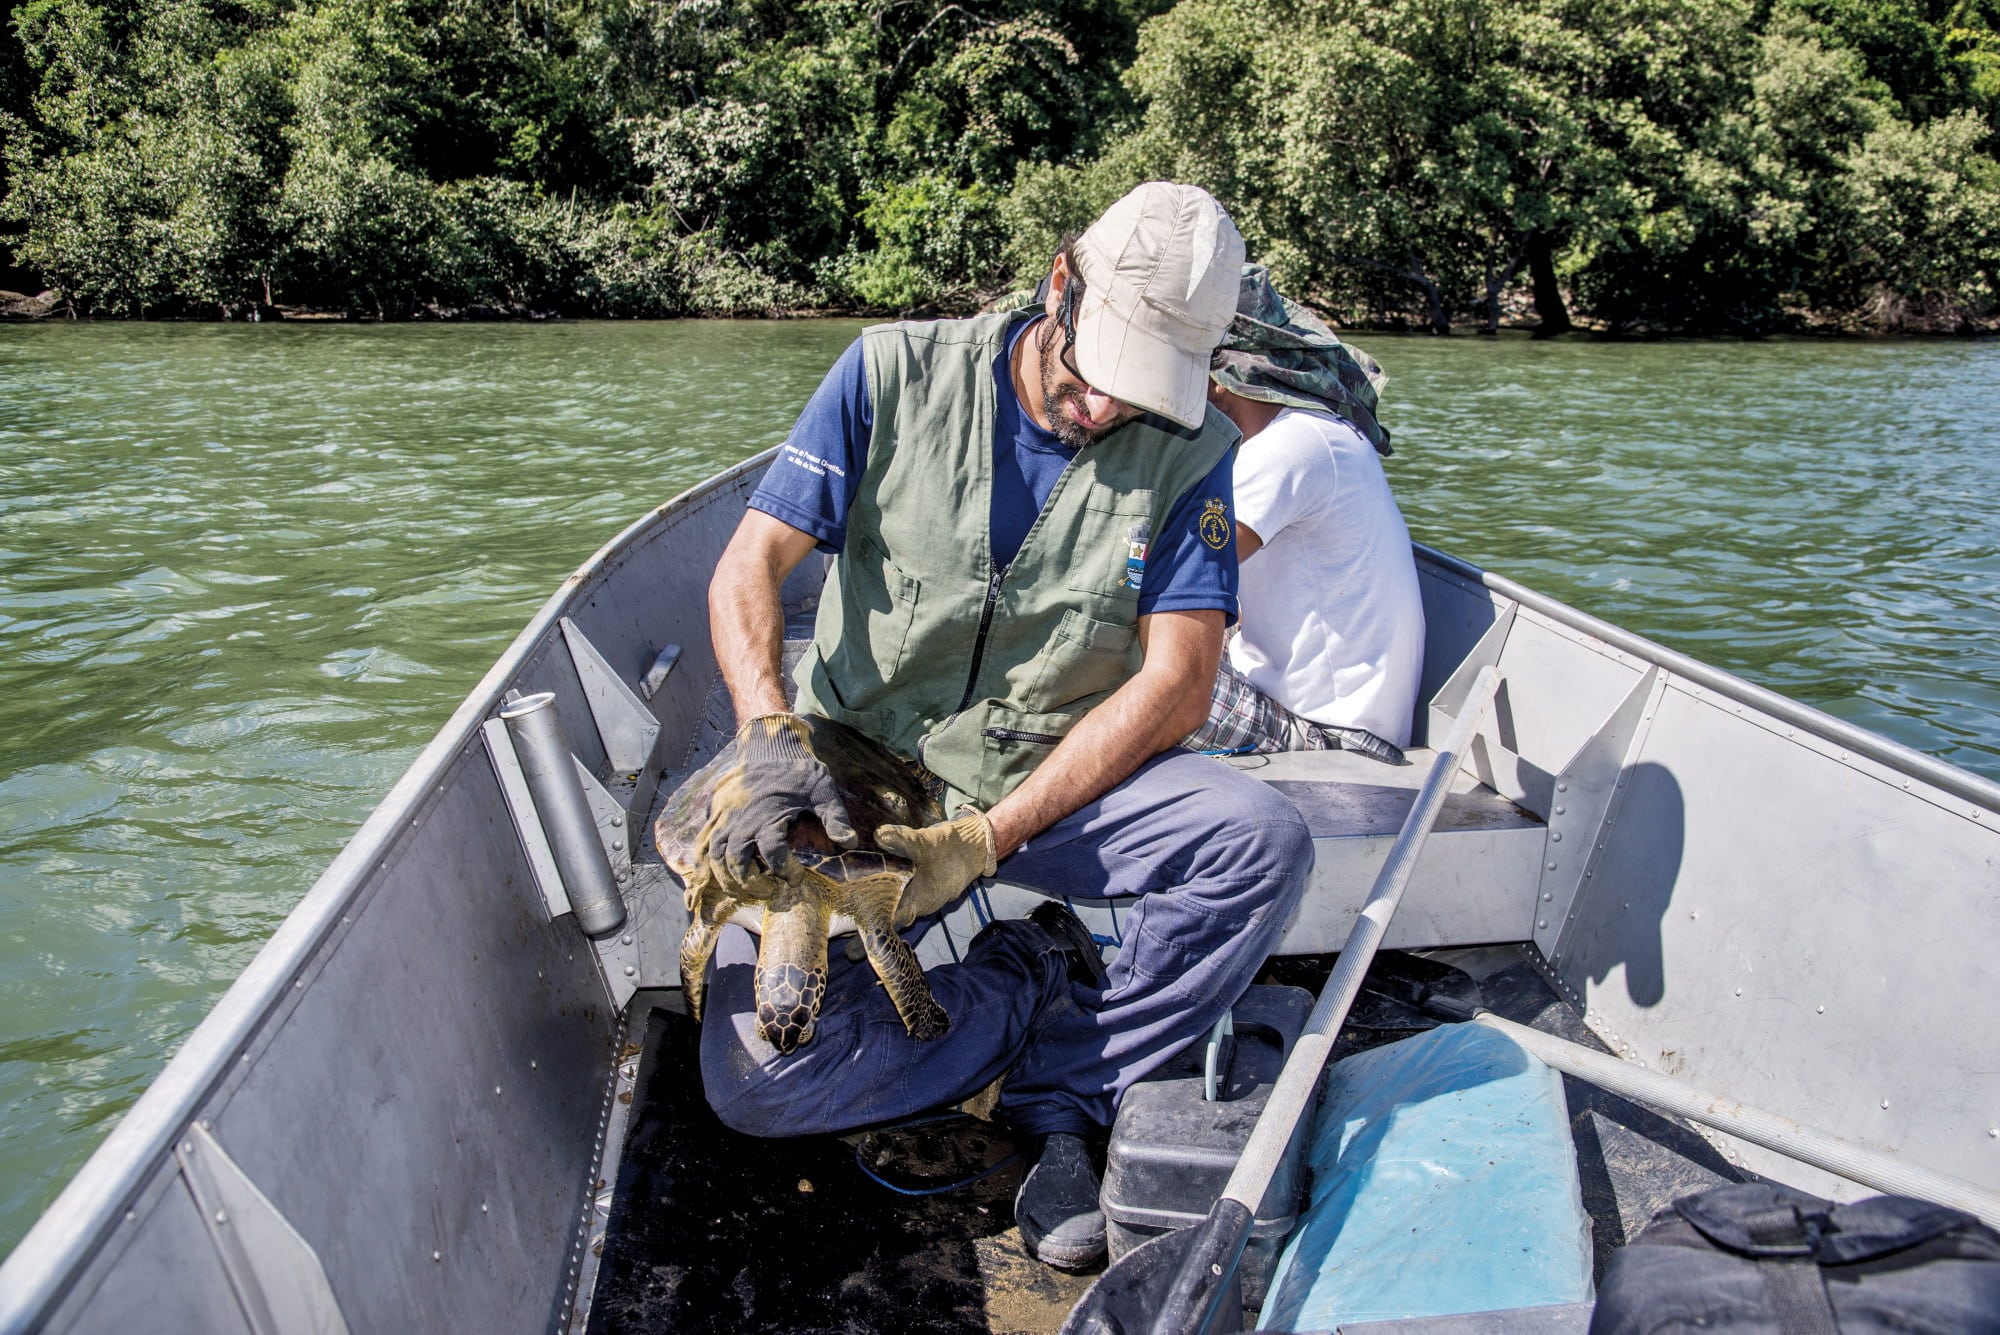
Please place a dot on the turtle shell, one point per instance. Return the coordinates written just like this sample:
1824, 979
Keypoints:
878, 787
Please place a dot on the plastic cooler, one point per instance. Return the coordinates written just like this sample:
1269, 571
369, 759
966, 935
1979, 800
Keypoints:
1180, 1131
1444, 1181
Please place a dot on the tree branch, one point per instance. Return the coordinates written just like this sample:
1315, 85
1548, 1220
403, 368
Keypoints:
1413, 273
910, 47
1495, 287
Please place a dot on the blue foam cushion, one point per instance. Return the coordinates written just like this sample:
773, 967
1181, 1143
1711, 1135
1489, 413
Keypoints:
1444, 1181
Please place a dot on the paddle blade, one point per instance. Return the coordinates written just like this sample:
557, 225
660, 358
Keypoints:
1184, 1282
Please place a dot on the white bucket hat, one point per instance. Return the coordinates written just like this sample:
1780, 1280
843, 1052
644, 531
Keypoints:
1159, 272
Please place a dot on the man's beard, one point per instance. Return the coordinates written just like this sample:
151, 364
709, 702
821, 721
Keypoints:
1065, 428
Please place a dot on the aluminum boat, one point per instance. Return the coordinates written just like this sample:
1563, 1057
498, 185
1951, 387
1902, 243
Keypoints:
411, 1111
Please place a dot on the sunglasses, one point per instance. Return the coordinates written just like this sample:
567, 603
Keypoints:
1066, 317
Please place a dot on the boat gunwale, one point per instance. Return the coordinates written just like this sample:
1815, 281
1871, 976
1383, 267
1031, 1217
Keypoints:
79, 1222
68, 1234
1905, 760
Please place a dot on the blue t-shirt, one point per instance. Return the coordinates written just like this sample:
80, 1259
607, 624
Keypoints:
818, 471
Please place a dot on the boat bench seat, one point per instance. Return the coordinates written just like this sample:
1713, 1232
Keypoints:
1475, 884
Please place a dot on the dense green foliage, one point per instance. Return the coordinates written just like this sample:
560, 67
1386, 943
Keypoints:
1700, 164
607, 156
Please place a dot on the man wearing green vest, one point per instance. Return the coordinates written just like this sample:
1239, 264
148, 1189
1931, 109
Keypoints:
1034, 569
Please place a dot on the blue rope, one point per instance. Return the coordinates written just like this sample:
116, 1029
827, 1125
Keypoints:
963, 1182
922, 1119
930, 1119
1098, 937
938, 924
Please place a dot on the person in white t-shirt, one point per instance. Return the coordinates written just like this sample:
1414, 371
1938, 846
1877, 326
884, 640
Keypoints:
1329, 645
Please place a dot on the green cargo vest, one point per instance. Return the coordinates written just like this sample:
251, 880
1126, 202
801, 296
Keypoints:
974, 673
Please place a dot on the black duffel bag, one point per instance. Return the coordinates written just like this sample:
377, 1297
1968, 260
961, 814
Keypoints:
1763, 1258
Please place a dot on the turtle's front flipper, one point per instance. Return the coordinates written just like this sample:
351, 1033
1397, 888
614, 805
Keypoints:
708, 909
696, 947
791, 969
895, 963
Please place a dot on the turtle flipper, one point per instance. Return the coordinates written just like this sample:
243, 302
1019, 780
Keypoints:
791, 970
696, 948
903, 978
895, 963
708, 909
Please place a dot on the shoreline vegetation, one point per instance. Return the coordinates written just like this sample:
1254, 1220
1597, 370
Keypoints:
1613, 168
48, 306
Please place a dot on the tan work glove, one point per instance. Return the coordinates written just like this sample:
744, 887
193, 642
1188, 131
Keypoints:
950, 856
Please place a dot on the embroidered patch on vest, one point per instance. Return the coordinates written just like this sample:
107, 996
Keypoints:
1135, 556
1214, 526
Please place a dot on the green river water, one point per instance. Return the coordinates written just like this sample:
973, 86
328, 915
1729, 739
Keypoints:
247, 571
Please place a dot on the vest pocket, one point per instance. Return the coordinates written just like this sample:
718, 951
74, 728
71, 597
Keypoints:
1108, 554
1014, 743
1085, 658
988, 749
876, 617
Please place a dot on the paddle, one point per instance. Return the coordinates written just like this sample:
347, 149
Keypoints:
1176, 1284
1846, 1158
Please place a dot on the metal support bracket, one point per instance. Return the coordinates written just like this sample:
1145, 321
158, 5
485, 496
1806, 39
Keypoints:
1488, 756
618, 962
276, 1275
614, 824
1579, 803
630, 733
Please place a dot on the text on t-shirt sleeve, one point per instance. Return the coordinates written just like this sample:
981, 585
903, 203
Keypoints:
818, 469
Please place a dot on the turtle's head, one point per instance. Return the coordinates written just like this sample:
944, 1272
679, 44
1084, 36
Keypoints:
791, 963
788, 1000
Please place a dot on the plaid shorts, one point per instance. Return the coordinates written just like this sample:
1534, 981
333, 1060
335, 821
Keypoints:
1242, 720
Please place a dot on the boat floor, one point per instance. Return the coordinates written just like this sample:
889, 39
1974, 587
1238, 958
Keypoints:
711, 1230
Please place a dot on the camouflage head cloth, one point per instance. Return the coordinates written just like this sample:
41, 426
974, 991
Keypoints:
1279, 352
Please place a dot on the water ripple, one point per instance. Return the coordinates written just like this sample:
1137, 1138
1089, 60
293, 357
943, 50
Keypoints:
1817, 517
244, 575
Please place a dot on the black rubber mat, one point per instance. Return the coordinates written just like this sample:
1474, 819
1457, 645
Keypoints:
713, 1231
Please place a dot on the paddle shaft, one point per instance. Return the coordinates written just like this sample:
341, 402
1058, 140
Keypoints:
1218, 1245
1794, 1140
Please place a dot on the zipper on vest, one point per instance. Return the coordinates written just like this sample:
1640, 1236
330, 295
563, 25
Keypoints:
1016, 735
979, 641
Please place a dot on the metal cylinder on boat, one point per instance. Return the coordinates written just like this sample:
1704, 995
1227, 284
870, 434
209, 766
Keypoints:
550, 769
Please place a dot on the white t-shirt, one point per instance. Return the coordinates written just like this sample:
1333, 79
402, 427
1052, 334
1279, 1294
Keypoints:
1330, 621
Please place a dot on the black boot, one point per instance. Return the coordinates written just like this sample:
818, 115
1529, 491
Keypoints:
1056, 1208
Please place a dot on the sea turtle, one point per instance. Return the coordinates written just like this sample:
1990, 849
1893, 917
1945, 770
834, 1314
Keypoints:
826, 891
